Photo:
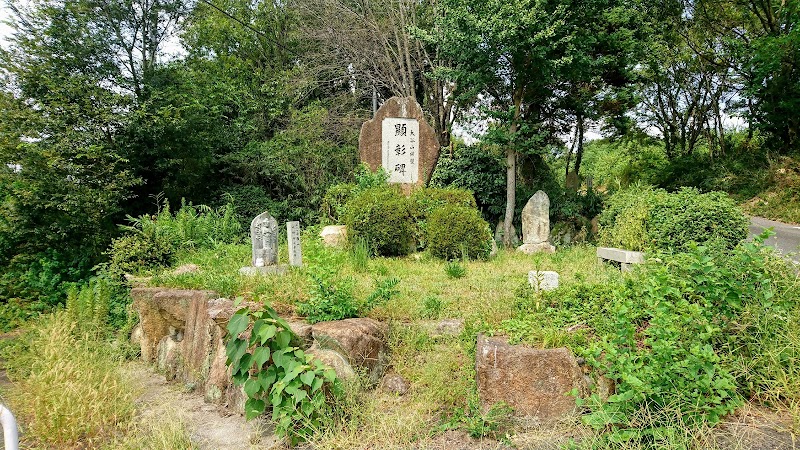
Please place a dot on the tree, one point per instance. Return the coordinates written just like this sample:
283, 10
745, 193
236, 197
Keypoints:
532, 64
372, 45
60, 121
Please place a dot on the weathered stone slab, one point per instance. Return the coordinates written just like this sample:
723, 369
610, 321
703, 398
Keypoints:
264, 237
334, 235
544, 280
536, 225
362, 341
536, 219
400, 140
624, 257
293, 236
534, 382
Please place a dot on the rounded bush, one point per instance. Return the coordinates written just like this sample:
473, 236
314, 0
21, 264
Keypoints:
331, 210
423, 202
381, 218
643, 218
454, 231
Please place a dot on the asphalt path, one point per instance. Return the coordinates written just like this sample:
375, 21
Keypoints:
786, 238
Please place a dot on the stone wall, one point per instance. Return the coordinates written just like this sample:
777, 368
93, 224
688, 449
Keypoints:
182, 333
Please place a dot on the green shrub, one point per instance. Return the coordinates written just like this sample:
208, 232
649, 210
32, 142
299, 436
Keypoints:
455, 270
380, 216
456, 231
688, 215
644, 218
153, 240
423, 202
331, 211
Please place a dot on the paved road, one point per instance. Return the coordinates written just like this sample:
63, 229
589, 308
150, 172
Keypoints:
786, 238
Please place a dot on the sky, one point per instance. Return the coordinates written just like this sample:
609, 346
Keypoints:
5, 30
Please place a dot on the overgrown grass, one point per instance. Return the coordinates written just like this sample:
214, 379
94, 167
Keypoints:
68, 387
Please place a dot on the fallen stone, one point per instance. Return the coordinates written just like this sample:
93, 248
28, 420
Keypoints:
534, 382
545, 280
624, 257
449, 327
362, 341
186, 268
334, 235
394, 384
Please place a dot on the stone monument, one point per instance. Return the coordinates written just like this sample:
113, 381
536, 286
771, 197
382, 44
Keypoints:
264, 238
536, 225
400, 140
293, 236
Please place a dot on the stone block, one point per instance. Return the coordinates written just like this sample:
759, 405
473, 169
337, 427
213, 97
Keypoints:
362, 341
534, 382
545, 280
334, 235
541, 247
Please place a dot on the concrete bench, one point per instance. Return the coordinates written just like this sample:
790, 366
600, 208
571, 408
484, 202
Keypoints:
624, 257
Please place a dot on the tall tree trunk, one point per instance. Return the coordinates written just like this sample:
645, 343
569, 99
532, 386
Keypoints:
511, 173
579, 153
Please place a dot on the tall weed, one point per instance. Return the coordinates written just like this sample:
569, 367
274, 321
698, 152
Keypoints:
69, 390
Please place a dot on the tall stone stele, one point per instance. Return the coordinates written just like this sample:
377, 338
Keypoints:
264, 239
536, 225
400, 140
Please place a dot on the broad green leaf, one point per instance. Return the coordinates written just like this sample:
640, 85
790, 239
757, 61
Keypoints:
261, 356
238, 322
254, 408
266, 333
284, 338
307, 377
252, 387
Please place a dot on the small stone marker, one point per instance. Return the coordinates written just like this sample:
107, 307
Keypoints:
536, 225
543, 280
589, 183
293, 235
264, 238
400, 140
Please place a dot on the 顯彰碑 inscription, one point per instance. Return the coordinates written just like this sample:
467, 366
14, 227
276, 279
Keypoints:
400, 140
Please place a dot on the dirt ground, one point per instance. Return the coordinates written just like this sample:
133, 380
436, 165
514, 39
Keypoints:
210, 426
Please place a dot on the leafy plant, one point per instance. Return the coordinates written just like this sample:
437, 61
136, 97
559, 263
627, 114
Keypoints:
381, 217
432, 307
330, 298
277, 374
457, 231
643, 218
455, 270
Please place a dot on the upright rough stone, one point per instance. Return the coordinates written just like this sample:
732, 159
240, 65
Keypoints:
264, 236
536, 225
295, 252
400, 140
534, 382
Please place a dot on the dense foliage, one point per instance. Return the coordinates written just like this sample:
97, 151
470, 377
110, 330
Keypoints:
643, 218
685, 340
456, 231
382, 218
152, 241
